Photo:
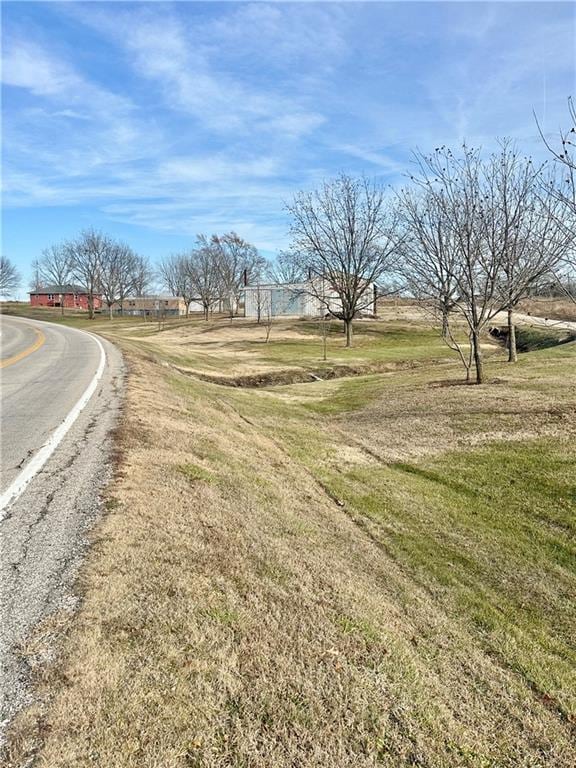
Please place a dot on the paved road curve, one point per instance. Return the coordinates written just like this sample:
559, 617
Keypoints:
45, 371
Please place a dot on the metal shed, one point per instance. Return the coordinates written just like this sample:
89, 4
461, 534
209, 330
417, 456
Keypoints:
288, 300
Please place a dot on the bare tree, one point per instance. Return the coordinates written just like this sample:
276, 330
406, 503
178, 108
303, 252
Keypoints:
118, 272
110, 277
429, 254
238, 264
263, 292
345, 235
265, 310
142, 277
175, 274
286, 268
563, 150
204, 274
87, 254
563, 190
524, 229
9, 277
55, 268
429, 258
478, 236
460, 186
135, 274
263, 302
565, 276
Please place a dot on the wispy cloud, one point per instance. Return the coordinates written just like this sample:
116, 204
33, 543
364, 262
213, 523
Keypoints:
187, 117
195, 66
26, 64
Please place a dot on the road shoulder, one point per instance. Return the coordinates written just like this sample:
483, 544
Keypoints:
45, 535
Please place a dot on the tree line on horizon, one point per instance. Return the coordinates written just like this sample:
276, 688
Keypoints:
469, 237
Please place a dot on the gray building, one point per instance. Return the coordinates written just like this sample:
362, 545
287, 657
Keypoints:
306, 299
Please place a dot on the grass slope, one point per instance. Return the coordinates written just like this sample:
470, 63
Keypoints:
369, 571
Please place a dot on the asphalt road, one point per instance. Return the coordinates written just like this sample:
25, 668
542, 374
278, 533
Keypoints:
44, 373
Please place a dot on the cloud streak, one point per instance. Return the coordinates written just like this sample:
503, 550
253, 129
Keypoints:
181, 118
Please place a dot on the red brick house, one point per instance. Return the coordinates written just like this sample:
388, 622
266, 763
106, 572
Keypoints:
72, 296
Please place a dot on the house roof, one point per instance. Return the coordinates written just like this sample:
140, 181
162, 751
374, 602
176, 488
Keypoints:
67, 288
287, 286
302, 285
155, 297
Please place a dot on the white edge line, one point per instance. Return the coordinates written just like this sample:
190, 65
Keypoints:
18, 485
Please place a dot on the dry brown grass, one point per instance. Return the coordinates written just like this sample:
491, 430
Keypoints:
237, 613
225, 350
403, 310
555, 309
427, 417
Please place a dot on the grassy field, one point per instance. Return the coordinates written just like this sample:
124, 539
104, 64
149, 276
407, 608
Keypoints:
368, 570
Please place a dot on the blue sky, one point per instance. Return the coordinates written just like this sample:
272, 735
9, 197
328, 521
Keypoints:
157, 121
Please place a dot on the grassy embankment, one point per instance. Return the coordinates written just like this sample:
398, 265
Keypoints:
375, 570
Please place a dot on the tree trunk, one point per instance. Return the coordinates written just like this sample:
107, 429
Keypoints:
444, 322
91, 306
349, 332
512, 351
477, 357
110, 310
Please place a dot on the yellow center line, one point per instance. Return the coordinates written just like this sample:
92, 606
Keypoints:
40, 339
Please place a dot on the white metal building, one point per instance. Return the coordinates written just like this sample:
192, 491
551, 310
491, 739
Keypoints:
290, 299
218, 306
294, 300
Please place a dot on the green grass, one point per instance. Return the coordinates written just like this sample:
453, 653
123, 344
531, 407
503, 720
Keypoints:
531, 339
492, 532
101, 323
348, 395
195, 473
373, 342
354, 626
